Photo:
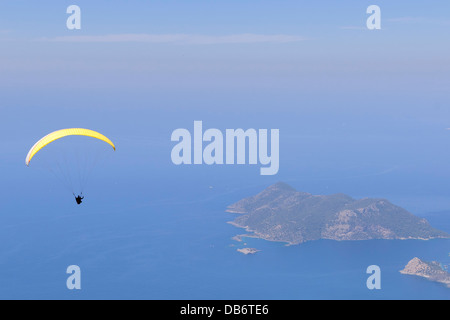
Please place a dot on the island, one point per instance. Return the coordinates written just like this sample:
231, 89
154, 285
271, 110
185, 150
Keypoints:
248, 250
432, 271
281, 213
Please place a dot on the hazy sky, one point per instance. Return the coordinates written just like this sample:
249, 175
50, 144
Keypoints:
237, 45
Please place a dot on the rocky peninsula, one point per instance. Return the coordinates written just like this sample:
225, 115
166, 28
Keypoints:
281, 213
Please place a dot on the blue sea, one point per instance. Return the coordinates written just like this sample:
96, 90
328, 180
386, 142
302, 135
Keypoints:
181, 247
151, 230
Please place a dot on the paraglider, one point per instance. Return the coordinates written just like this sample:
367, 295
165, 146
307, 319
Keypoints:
57, 135
79, 199
61, 134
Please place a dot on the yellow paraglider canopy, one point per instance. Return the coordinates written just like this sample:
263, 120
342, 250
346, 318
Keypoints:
61, 134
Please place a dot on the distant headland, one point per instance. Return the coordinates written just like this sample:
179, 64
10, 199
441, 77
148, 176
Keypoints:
432, 271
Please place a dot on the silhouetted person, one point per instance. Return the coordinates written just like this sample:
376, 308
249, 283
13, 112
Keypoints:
79, 199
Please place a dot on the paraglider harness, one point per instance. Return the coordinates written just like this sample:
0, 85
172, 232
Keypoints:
79, 199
